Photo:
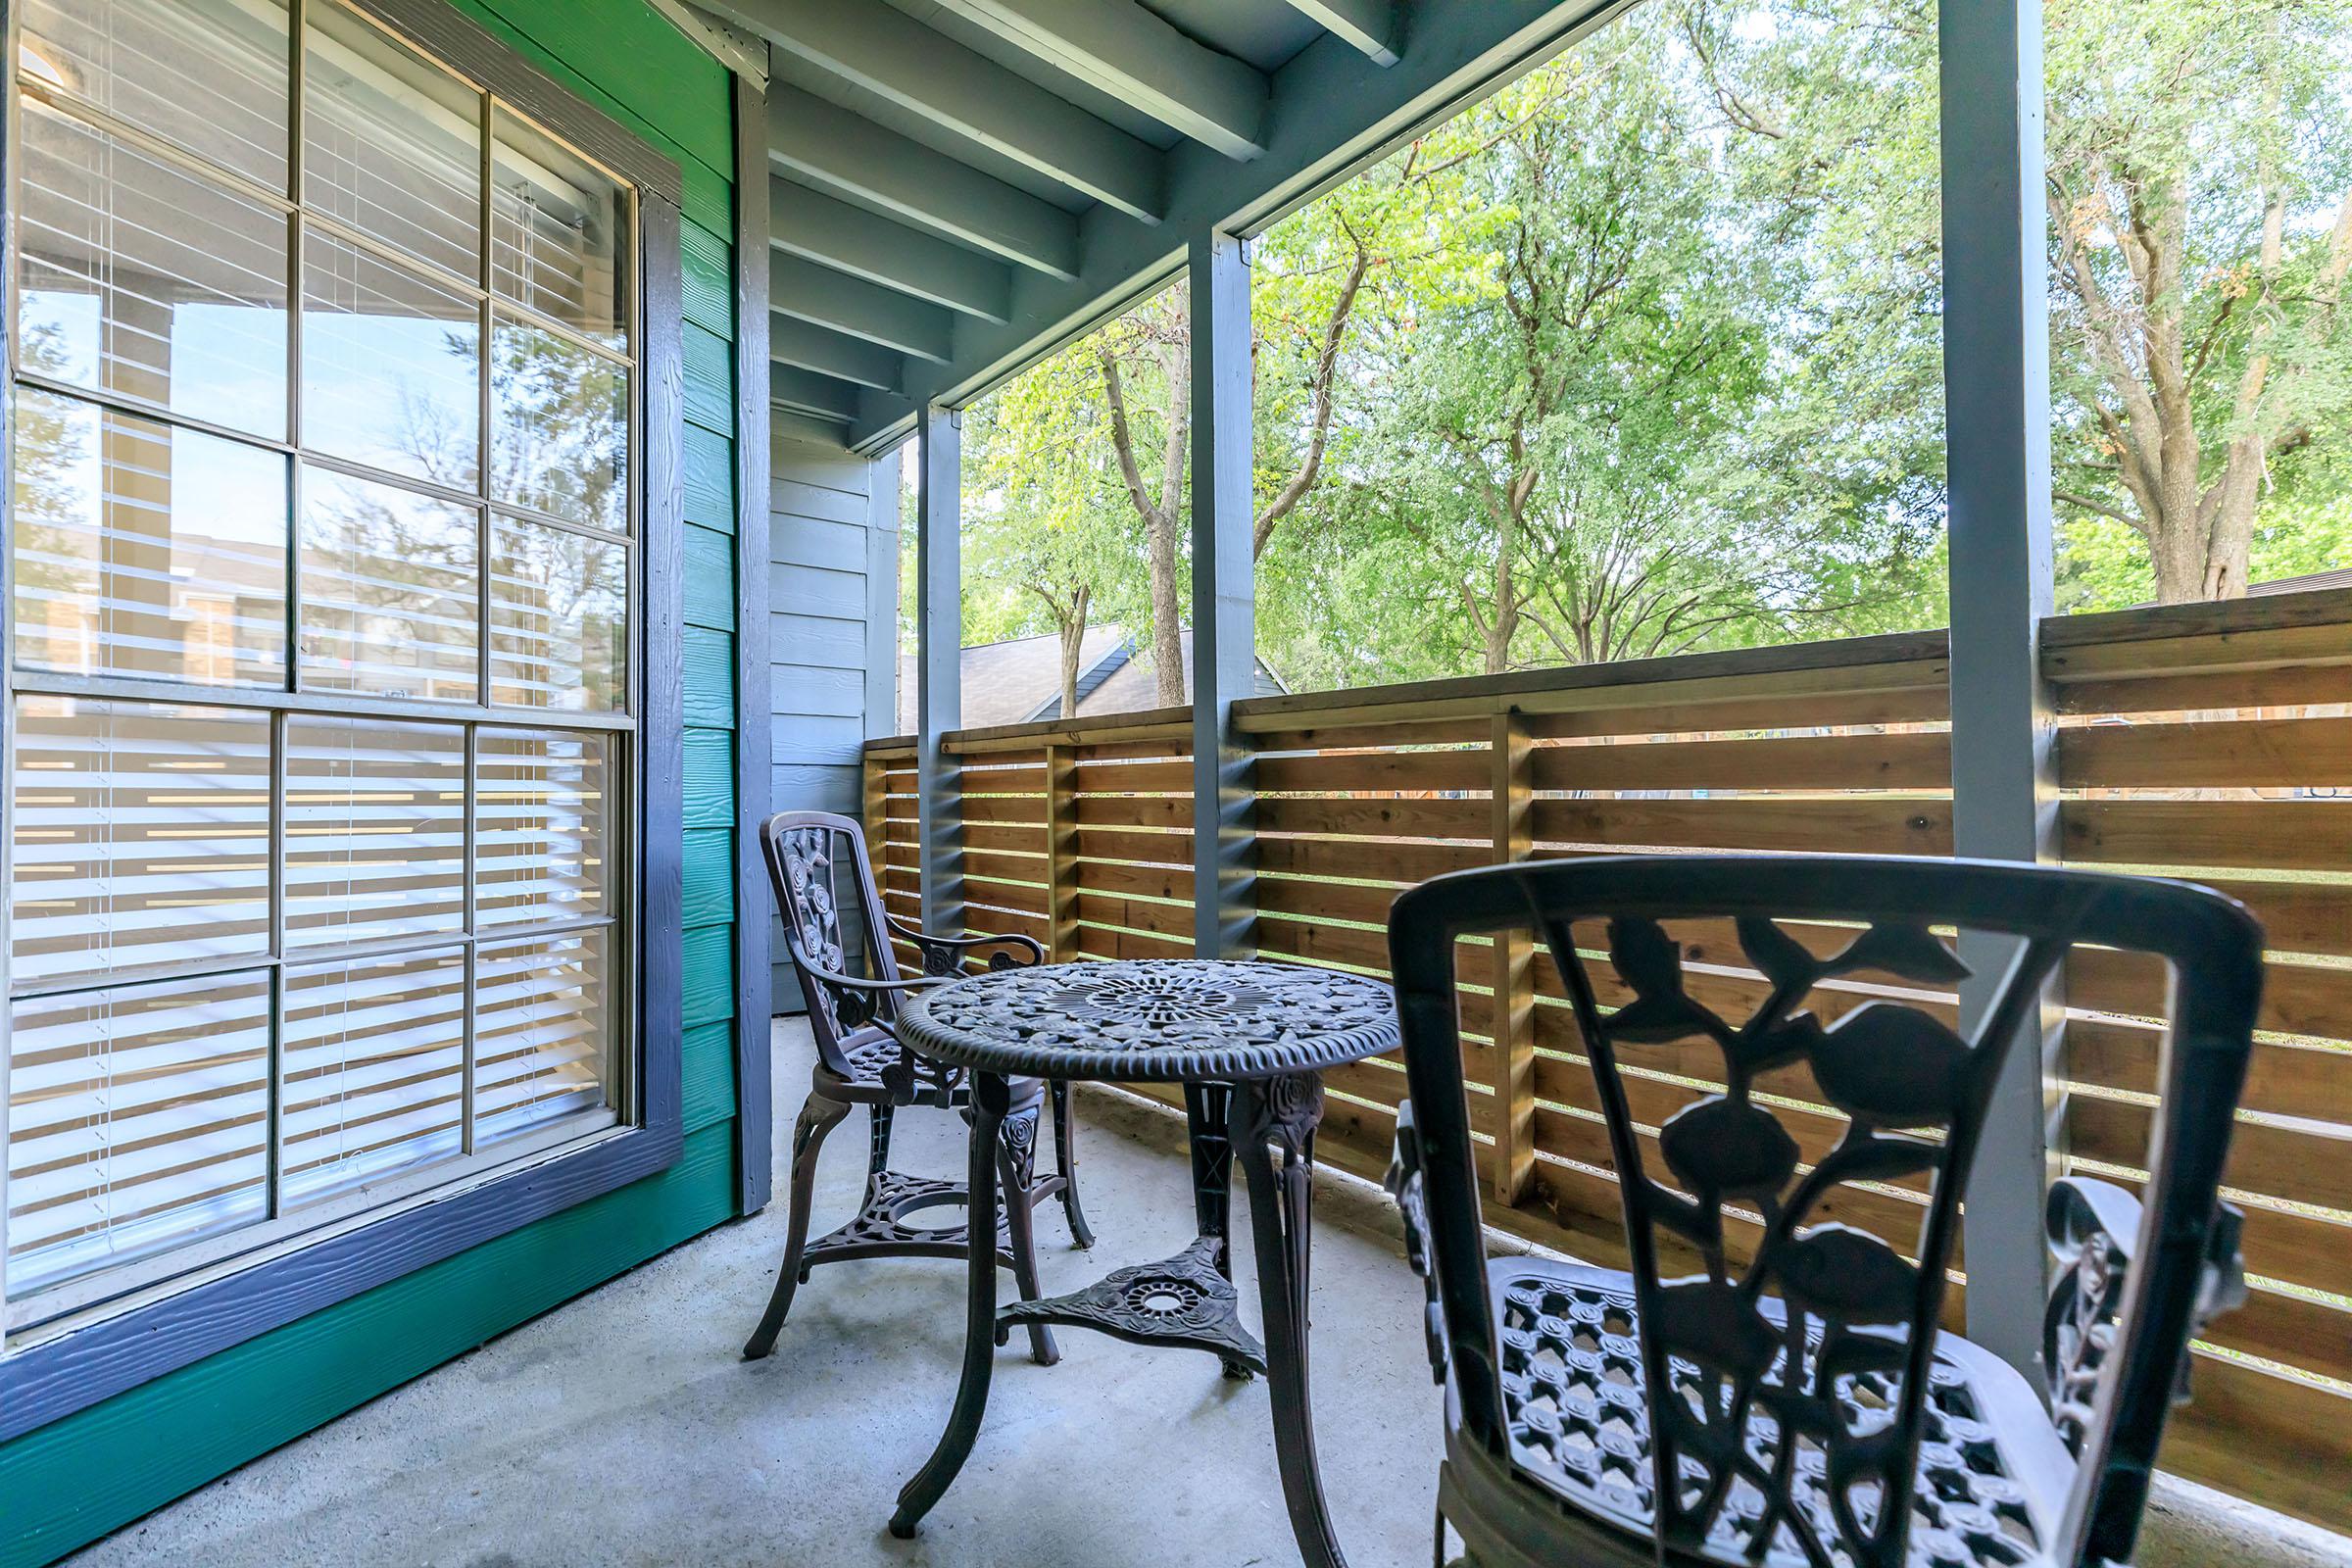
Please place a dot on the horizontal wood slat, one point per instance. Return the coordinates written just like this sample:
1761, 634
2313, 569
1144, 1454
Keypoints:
2220, 754
1830, 825
1917, 760
1334, 773
1381, 817
2269, 835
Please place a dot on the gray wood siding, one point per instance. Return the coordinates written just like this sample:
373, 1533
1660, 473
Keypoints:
832, 625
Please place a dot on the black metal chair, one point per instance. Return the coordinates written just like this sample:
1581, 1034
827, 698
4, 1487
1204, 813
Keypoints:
860, 1062
1766, 1383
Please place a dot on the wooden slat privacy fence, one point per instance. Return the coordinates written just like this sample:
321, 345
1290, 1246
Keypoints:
2213, 741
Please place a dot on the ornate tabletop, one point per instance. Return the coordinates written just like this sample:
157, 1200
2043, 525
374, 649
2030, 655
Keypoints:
1154, 1020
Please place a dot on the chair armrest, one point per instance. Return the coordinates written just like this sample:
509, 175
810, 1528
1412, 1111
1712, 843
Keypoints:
943, 956
2092, 1228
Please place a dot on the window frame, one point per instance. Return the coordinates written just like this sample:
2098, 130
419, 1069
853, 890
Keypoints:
173, 1322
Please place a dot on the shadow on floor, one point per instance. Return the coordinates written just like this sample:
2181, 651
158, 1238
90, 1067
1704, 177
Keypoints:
622, 1429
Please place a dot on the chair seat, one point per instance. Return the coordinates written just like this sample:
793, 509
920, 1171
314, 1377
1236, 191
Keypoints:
1991, 1474
870, 1051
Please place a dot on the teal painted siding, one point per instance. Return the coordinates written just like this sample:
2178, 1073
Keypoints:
709, 778
710, 479
76, 1479
709, 875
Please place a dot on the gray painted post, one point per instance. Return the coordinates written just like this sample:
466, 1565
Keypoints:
2004, 797
885, 476
939, 663
1224, 596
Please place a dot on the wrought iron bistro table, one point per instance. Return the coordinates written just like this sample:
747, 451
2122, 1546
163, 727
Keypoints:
1249, 1041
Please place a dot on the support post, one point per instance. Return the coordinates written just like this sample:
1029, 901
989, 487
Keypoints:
1224, 599
2004, 797
1061, 854
939, 664
1514, 972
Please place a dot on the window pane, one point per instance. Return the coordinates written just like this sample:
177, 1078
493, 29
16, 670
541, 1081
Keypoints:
390, 367
208, 74
148, 281
390, 590
138, 1120
375, 829
391, 144
559, 618
144, 550
542, 1031
558, 427
375, 1071
558, 234
141, 835
542, 805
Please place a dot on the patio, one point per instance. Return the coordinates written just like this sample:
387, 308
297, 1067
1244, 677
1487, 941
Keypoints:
507, 1457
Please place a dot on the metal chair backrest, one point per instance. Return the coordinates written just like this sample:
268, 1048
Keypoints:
1915, 1094
809, 854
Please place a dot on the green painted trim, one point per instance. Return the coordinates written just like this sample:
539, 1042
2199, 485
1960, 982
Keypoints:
93, 1472
710, 479
707, 295
710, 197
709, 658
707, 1086
707, 876
709, 980
637, 68
709, 362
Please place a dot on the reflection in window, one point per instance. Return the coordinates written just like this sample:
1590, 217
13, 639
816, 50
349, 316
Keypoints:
142, 279
560, 427
542, 816
543, 1016
375, 1071
209, 76
141, 834
375, 829
391, 145
558, 234
390, 367
390, 590
138, 1121
146, 549
559, 630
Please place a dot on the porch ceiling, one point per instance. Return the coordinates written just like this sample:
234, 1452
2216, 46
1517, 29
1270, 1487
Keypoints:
959, 187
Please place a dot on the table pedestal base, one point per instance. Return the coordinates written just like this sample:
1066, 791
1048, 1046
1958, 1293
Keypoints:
1183, 1303
1270, 1127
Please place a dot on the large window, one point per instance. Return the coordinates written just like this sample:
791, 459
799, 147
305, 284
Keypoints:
321, 543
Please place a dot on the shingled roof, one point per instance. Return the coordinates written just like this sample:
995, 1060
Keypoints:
1017, 681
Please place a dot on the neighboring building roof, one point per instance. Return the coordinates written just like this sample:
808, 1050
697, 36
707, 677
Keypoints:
1018, 681
2341, 577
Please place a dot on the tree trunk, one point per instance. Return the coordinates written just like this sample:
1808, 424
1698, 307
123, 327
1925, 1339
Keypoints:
1073, 639
1167, 610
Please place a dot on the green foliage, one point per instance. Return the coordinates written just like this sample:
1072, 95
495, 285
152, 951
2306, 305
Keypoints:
1643, 353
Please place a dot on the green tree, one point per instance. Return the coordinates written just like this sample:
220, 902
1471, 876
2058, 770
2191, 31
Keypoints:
2200, 196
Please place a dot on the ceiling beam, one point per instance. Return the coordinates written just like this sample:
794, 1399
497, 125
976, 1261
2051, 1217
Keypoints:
806, 392
1332, 111
927, 74
1131, 54
823, 297
1367, 26
865, 244
846, 154
793, 341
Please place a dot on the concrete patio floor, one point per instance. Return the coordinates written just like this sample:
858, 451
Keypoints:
623, 1428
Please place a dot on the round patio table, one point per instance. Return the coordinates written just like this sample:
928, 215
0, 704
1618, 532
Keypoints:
1248, 1040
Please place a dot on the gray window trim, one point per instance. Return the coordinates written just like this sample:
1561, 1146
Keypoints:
72, 1370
